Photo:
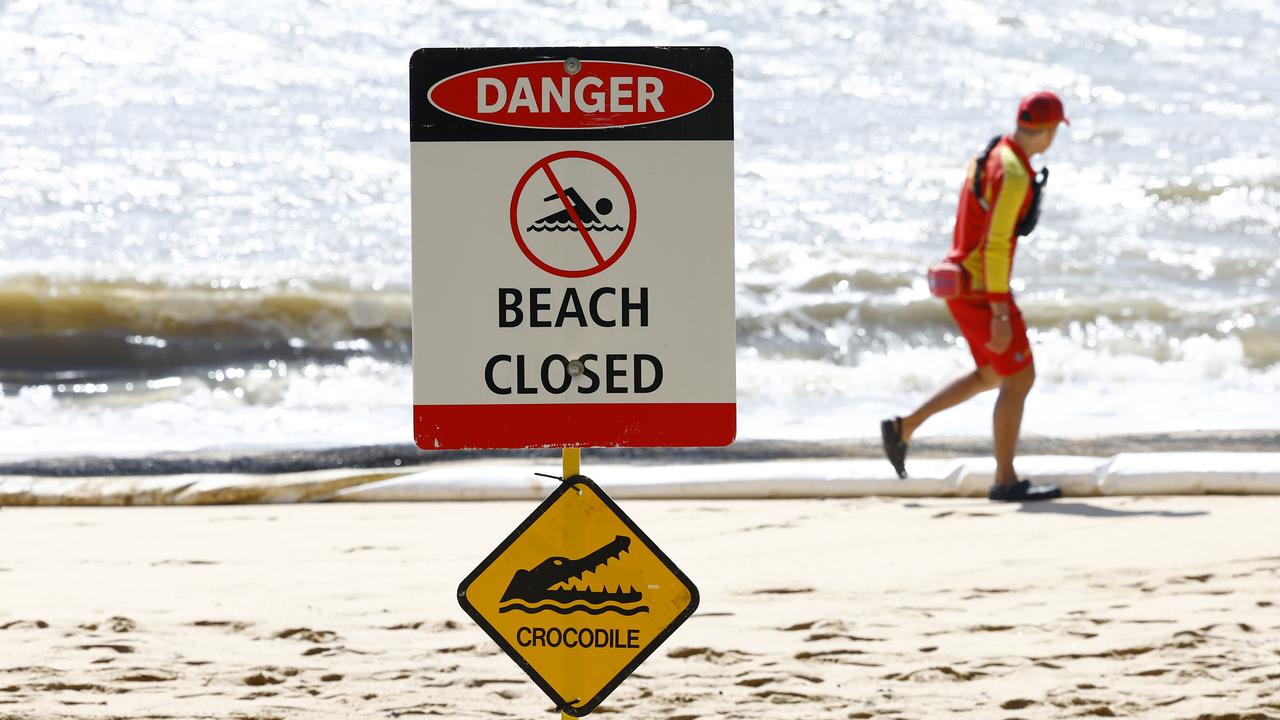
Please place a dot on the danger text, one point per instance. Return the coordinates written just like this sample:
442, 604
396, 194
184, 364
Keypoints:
587, 94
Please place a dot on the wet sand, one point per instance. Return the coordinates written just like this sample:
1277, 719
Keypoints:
1158, 607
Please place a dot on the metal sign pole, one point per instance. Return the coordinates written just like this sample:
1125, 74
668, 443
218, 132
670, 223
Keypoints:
570, 460
570, 465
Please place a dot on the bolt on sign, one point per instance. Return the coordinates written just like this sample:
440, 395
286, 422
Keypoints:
572, 247
578, 596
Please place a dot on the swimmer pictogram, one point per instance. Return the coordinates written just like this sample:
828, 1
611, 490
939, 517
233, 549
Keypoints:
551, 586
573, 213
562, 222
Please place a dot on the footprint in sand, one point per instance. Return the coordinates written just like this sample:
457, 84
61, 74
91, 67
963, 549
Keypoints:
231, 625
444, 626
820, 636
507, 694
834, 656
711, 655
308, 635
122, 649
118, 624
935, 674
781, 697
263, 678
149, 676
828, 625
458, 649
24, 625
115, 624
77, 687
1098, 709
481, 682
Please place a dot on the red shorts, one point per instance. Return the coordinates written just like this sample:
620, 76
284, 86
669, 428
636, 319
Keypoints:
973, 317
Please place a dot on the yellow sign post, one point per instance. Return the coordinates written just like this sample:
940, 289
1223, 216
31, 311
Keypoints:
578, 595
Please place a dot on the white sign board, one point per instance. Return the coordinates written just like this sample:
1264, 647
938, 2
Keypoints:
572, 247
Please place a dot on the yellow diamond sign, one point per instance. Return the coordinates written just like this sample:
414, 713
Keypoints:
578, 596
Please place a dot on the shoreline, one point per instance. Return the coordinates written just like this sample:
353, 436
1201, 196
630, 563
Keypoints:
404, 455
1132, 474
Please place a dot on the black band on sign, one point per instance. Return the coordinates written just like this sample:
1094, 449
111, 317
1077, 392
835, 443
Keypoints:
430, 122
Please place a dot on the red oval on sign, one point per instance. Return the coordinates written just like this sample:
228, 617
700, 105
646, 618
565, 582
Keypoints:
542, 95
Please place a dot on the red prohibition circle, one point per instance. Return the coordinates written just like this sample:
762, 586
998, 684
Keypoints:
545, 163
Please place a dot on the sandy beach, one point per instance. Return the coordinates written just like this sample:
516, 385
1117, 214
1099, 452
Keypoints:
1153, 607
294, 321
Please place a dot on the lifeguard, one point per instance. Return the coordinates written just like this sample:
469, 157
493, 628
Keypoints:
999, 202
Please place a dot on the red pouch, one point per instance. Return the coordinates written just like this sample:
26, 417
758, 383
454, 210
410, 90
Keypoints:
948, 281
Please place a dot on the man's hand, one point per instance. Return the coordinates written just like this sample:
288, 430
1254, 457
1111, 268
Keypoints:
1001, 329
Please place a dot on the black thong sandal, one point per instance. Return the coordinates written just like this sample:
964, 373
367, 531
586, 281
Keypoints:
894, 448
1023, 491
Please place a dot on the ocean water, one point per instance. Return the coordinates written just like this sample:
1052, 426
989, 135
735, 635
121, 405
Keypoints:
204, 214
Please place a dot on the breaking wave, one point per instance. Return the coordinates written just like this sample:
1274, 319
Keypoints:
101, 329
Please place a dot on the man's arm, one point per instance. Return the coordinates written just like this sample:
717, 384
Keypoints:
1001, 328
1014, 184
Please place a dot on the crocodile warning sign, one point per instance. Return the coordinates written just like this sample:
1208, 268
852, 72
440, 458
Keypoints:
578, 596
573, 240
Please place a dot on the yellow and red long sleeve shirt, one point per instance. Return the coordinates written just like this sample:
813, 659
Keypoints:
984, 240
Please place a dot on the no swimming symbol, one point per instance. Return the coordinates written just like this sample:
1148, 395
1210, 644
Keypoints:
573, 214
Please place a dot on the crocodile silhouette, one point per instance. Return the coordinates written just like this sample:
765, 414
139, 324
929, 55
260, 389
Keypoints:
534, 590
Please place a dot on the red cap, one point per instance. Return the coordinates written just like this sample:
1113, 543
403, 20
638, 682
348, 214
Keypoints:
1041, 110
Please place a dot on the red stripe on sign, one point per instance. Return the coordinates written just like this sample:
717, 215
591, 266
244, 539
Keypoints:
462, 427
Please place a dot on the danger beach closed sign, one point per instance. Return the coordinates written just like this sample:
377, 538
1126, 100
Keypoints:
572, 247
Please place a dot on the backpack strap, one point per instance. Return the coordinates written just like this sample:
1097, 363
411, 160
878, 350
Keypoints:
978, 171
1028, 222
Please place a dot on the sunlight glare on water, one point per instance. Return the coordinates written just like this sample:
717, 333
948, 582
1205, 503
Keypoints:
233, 180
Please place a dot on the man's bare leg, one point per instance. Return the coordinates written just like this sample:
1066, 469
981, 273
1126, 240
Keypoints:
954, 393
1007, 420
